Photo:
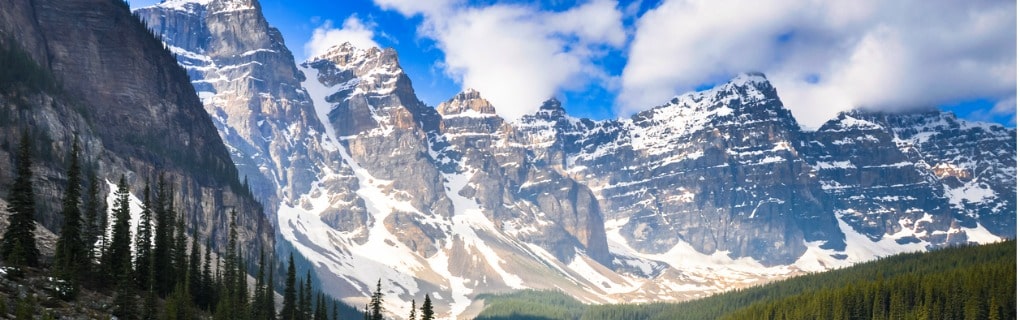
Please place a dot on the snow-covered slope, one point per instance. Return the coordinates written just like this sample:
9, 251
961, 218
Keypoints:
711, 191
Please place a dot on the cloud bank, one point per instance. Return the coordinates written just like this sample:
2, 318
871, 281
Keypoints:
828, 56
353, 30
517, 56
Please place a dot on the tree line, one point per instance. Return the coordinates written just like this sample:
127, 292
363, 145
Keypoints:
967, 282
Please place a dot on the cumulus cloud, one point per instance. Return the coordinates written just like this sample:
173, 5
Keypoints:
516, 55
353, 30
827, 56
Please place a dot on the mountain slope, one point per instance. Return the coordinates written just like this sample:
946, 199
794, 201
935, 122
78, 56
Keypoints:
107, 69
711, 191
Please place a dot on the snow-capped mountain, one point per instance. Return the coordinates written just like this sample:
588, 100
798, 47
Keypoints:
710, 191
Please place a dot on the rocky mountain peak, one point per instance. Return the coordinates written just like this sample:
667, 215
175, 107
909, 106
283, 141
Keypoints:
348, 56
214, 6
467, 103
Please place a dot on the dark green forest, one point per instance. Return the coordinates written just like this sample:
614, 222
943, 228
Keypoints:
968, 282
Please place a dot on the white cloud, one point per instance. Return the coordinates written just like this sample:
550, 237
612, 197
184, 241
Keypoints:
353, 30
827, 56
518, 56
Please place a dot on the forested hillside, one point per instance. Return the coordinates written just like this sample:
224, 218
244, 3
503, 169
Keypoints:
970, 282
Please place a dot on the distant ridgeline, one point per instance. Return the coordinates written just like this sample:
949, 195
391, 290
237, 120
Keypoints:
969, 282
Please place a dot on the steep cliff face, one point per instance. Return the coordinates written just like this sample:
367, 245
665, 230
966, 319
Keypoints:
710, 191
917, 178
719, 170
248, 83
130, 105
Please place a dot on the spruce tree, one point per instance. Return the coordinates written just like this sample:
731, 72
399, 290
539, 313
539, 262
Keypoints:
18, 248
269, 301
377, 301
124, 298
194, 270
180, 250
306, 297
426, 309
118, 256
143, 242
93, 207
414, 311
71, 259
258, 312
320, 307
206, 301
162, 242
289, 311
336, 310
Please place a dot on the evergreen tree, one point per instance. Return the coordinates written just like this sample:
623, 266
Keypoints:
320, 308
178, 304
71, 259
269, 301
207, 296
377, 302
426, 309
143, 242
180, 250
162, 242
289, 311
18, 248
414, 311
93, 229
194, 270
124, 299
258, 312
336, 310
118, 256
306, 297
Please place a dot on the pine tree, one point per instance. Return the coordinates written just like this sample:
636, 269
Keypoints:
289, 311
162, 242
180, 250
207, 296
377, 302
194, 270
321, 312
336, 310
414, 311
118, 256
71, 259
258, 312
426, 309
143, 242
18, 248
93, 207
269, 301
124, 299
306, 296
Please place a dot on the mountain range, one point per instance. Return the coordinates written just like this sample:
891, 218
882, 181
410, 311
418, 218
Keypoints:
707, 192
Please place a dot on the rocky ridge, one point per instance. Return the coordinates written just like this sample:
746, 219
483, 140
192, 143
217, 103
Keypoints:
711, 191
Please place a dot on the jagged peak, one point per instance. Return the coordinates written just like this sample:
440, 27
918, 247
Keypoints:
347, 55
467, 102
220, 5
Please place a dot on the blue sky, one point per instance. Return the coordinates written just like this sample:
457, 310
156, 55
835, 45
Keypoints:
607, 59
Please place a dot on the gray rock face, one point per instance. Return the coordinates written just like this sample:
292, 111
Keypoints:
370, 183
123, 96
926, 172
514, 186
250, 85
719, 170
